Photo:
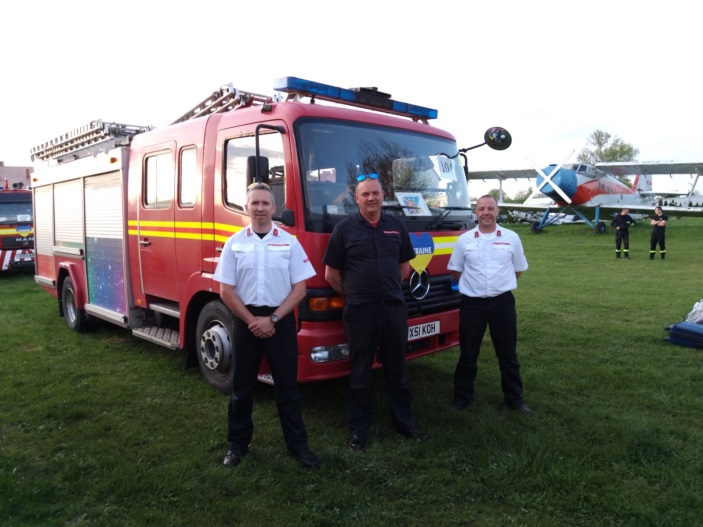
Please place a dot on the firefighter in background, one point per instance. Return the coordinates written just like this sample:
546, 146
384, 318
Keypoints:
622, 222
658, 233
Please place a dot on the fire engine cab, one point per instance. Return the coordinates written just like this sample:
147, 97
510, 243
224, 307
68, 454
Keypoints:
130, 220
16, 227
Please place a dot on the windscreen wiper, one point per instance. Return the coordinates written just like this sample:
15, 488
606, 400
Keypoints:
393, 206
439, 219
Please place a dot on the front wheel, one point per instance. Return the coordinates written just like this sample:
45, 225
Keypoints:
214, 345
76, 319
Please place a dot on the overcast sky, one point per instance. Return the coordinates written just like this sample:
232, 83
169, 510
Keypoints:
551, 72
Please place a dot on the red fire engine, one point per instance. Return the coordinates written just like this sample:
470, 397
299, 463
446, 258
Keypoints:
16, 227
130, 220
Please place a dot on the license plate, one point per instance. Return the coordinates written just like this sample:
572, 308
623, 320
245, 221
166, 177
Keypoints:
423, 330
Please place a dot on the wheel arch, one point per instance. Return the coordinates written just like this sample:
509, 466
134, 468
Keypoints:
72, 271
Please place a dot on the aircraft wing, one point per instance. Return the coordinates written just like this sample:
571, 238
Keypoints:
536, 204
650, 167
616, 169
654, 168
520, 173
616, 207
670, 210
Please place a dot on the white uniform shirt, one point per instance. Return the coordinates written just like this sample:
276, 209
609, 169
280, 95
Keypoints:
263, 269
487, 262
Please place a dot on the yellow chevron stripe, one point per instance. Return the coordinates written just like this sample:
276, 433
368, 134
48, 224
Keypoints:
211, 231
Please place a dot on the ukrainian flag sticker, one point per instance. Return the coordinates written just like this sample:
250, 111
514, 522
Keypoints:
424, 250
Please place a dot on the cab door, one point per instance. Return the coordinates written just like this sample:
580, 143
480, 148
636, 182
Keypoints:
156, 229
237, 146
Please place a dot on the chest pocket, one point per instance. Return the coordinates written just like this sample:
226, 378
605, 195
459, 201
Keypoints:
503, 253
357, 246
245, 255
389, 246
279, 256
472, 252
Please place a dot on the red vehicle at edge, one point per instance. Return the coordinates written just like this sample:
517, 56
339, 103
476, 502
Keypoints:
16, 228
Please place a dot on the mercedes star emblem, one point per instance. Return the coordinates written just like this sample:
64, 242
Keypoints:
419, 284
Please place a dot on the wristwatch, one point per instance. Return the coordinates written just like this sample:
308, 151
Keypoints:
274, 319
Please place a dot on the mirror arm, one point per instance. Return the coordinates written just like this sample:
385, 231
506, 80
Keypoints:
462, 150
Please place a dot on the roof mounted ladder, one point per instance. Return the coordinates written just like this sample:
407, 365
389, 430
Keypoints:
94, 138
225, 99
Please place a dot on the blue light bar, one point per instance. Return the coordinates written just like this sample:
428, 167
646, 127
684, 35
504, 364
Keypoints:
369, 98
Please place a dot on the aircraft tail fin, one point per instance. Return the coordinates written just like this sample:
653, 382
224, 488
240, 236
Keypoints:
643, 183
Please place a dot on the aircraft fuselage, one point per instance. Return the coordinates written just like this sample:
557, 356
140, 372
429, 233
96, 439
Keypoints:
588, 186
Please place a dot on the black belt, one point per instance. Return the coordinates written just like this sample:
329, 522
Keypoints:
487, 297
261, 311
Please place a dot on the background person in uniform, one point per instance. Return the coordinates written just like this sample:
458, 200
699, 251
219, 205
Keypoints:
486, 262
658, 233
262, 273
622, 222
366, 260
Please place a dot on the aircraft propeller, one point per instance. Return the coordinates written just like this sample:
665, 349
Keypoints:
547, 179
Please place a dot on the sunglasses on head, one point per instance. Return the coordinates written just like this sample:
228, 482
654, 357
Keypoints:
258, 185
362, 177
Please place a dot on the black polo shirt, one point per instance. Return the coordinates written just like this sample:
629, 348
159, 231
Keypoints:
660, 217
369, 258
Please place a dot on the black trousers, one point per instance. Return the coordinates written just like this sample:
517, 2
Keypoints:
623, 237
381, 327
281, 352
658, 237
499, 315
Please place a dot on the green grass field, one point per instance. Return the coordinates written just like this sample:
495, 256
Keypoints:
103, 429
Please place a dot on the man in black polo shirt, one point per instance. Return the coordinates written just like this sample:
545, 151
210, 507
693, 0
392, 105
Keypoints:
658, 233
368, 255
622, 223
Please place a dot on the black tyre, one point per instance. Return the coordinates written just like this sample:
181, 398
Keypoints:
75, 318
214, 345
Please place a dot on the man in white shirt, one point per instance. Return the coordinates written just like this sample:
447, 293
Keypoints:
486, 262
262, 273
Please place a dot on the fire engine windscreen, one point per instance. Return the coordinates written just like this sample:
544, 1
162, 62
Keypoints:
16, 212
419, 184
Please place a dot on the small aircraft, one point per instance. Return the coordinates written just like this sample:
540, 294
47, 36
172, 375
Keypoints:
579, 187
538, 217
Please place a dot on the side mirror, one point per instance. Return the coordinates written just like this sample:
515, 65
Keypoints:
498, 138
288, 218
257, 173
